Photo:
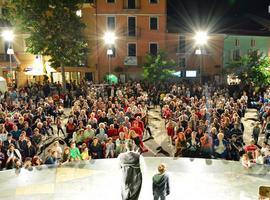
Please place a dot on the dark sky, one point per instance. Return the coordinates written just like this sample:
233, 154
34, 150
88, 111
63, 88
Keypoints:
218, 15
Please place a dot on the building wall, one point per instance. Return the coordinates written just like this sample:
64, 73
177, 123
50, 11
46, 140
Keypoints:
211, 60
244, 45
96, 18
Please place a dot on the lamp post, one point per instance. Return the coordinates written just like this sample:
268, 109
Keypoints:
200, 38
8, 36
109, 39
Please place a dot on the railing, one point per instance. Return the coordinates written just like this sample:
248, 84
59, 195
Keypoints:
129, 5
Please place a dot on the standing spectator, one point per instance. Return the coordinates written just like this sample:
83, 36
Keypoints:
59, 126
256, 132
161, 183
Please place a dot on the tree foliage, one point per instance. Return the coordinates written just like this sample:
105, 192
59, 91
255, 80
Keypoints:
158, 68
54, 29
252, 68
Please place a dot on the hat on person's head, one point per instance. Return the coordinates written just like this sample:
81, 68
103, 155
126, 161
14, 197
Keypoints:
9, 135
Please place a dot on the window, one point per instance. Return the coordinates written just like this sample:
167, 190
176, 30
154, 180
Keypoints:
153, 1
110, 1
236, 54
253, 43
131, 4
182, 62
132, 49
237, 43
131, 26
182, 44
111, 23
153, 23
153, 48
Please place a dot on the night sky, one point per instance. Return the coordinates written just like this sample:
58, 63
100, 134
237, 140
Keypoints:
219, 16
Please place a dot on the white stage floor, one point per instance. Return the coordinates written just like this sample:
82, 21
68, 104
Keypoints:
100, 180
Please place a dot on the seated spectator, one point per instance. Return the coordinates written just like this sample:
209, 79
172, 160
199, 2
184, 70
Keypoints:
8, 142
14, 157
22, 144
85, 154
193, 146
58, 149
96, 149
66, 156
246, 161
36, 161
75, 154
180, 145
109, 148
206, 146
120, 144
101, 133
113, 132
251, 148
30, 150
220, 147
15, 132
78, 136
51, 158
36, 138
236, 148
88, 134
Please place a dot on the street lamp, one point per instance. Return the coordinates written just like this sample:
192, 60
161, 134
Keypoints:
109, 39
8, 36
200, 38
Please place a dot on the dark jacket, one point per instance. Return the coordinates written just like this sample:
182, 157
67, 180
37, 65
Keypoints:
161, 184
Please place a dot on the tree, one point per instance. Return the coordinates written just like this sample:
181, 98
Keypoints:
252, 68
158, 68
54, 30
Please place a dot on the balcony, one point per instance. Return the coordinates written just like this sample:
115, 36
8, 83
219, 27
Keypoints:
130, 33
131, 5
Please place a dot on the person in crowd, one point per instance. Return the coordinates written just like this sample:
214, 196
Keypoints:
221, 147
96, 149
206, 146
180, 145
36, 138
75, 154
85, 154
66, 156
246, 161
161, 183
256, 132
110, 152
51, 158
120, 144
14, 157
59, 126
193, 146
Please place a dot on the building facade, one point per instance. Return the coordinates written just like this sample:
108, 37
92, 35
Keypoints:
139, 27
236, 46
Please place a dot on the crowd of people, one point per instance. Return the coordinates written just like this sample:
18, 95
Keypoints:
206, 122
201, 121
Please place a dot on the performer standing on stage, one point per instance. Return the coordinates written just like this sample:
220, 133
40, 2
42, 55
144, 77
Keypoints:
130, 162
161, 185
